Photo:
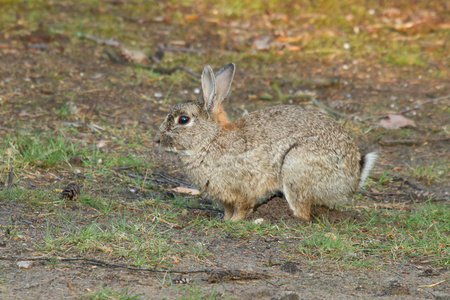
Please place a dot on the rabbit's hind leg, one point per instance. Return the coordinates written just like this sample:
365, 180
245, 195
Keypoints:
299, 173
299, 203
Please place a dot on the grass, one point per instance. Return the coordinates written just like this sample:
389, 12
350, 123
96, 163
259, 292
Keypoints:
195, 292
36, 150
105, 293
393, 234
141, 242
430, 174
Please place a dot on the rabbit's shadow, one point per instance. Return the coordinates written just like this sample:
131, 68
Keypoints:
276, 209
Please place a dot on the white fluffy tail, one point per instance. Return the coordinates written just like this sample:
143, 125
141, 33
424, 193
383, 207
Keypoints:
367, 162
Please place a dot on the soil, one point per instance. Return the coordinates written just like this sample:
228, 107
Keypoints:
51, 79
277, 209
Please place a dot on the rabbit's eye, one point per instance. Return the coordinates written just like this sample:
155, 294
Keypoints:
183, 120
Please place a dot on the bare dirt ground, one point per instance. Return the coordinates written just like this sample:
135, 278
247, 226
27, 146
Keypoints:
59, 90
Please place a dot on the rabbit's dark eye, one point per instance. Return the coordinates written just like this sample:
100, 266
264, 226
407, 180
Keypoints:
183, 120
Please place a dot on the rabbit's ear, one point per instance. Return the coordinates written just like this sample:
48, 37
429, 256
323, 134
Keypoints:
209, 87
224, 78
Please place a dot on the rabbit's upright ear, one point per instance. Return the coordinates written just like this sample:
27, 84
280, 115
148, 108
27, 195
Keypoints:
224, 78
209, 87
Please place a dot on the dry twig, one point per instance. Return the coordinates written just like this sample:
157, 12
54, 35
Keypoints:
411, 142
180, 49
96, 39
334, 112
322, 82
173, 180
217, 276
415, 187
353, 116
156, 69
416, 107
10, 177
214, 274
205, 208
101, 263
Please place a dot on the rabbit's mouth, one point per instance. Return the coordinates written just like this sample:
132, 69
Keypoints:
168, 146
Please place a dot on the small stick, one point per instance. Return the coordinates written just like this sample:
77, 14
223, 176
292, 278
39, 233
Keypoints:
411, 142
173, 180
148, 179
416, 107
434, 284
323, 82
385, 194
180, 49
10, 177
161, 70
96, 39
205, 208
123, 168
97, 262
415, 187
334, 112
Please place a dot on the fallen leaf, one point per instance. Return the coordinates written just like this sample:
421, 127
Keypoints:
396, 122
294, 48
331, 235
444, 25
418, 26
133, 55
106, 249
161, 19
26, 264
191, 17
212, 20
262, 42
101, 144
186, 190
178, 43
289, 39
38, 36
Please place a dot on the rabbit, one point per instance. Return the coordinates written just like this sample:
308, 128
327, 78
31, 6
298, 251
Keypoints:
298, 151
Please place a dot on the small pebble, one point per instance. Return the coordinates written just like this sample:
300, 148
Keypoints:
76, 160
286, 296
258, 221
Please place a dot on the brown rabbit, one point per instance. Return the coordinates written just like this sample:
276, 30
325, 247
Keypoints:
301, 152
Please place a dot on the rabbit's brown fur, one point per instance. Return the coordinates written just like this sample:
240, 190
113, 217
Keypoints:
301, 152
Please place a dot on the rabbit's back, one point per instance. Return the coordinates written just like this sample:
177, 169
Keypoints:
282, 127
282, 123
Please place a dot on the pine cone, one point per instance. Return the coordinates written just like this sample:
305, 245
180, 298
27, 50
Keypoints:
70, 192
